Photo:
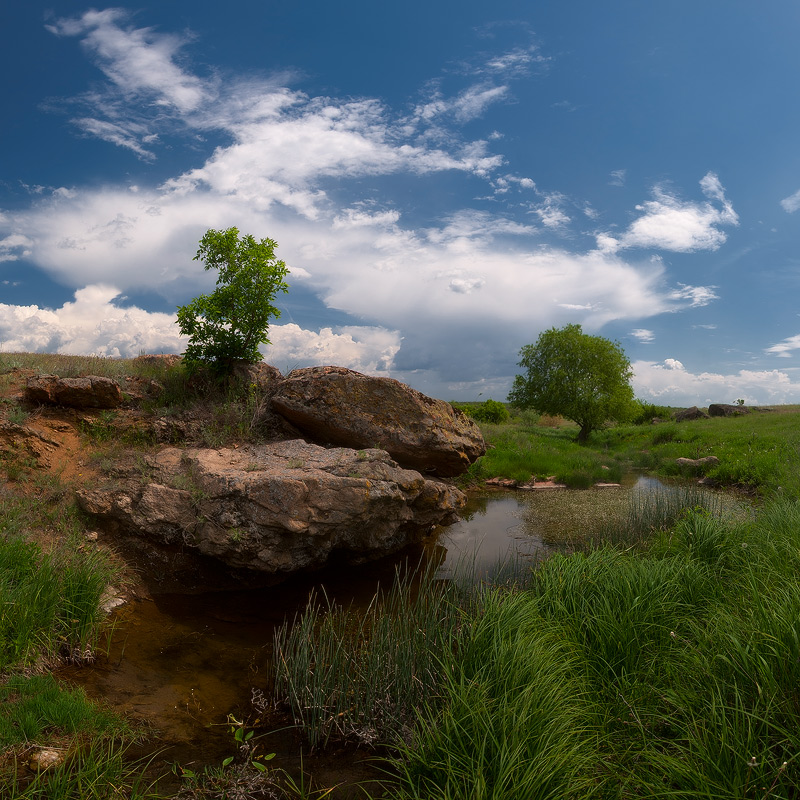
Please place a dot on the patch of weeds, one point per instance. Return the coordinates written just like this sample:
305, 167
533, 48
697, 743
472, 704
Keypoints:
295, 463
244, 774
101, 429
17, 462
17, 415
236, 535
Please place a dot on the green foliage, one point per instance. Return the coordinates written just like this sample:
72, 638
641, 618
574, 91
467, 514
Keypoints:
644, 413
489, 411
583, 378
364, 676
34, 705
49, 602
229, 324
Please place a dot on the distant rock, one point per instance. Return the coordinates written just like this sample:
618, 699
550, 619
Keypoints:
274, 509
706, 461
338, 406
91, 391
727, 410
688, 414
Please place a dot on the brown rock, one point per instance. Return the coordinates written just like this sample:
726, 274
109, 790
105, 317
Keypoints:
342, 407
276, 508
91, 391
263, 377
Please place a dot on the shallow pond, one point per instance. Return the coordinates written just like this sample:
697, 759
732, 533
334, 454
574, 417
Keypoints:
183, 663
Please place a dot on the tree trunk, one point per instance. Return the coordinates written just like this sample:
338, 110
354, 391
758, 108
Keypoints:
583, 433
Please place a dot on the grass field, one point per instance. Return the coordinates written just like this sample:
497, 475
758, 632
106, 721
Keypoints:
758, 452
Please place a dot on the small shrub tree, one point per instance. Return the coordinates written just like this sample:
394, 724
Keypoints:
229, 324
490, 411
583, 378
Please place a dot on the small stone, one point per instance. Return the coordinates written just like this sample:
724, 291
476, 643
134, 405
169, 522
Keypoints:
46, 758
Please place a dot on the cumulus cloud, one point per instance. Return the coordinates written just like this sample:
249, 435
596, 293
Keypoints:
669, 223
643, 335
670, 383
95, 324
92, 324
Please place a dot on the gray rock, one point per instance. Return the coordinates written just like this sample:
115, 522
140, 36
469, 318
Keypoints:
276, 508
338, 406
688, 414
726, 410
706, 461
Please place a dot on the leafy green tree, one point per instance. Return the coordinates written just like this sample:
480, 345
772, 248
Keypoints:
229, 324
583, 378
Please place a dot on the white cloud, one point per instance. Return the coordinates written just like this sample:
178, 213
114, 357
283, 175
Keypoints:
138, 61
617, 177
14, 247
792, 203
697, 296
670, 383
95, 324
643, 335
370, 350
669, 223
92, 324
784, 349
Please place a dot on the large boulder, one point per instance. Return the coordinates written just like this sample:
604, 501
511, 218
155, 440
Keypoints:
338, 406
688, 414
727, 410
274, 509
90, 391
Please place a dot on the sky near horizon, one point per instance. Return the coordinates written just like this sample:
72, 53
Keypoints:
445, 181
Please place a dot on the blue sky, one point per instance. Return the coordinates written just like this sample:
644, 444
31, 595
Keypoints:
445, 181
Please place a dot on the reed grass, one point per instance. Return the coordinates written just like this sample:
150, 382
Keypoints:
362, 676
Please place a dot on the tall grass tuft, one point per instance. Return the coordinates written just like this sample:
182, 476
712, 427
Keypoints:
96, 771
49, 602
361, 676
513, 720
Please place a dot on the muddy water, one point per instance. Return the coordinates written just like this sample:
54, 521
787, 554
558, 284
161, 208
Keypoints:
183, 663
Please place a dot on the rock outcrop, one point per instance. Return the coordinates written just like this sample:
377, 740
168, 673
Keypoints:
276, 508
696, 463
91, 391
338, 406
727, 410
688, 414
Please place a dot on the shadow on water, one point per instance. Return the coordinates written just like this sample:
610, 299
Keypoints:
183, 663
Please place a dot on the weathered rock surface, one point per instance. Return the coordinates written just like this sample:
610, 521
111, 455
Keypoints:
91, 391
726, 410
274, 508
689, 413
706, 461
338, 406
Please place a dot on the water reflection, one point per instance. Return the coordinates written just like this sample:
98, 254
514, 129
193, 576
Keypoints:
525, 526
